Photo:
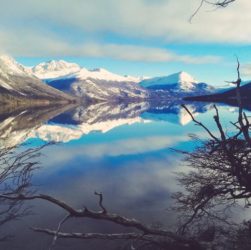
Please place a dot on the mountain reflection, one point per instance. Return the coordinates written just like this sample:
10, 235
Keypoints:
175, 113
18, 125
63, 124
136, 173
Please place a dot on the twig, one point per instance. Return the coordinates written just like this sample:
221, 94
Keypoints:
218, 123
101, 202
199, 123
118, 236
57, 231
219, 3
117, 219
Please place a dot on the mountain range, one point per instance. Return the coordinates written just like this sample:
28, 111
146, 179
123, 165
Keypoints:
102, 85
96, 84
60, 81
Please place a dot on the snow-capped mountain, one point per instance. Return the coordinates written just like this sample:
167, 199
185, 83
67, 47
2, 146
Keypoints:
185, 81
62, 69
106, 89
53, 69
102, 85
17, 83
96, 84
180, 82
103, 74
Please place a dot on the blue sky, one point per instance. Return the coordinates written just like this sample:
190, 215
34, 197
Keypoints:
135, 37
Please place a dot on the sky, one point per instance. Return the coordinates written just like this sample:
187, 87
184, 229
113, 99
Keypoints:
131, 37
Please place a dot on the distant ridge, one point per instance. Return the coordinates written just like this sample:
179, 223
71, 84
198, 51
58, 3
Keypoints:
227, 96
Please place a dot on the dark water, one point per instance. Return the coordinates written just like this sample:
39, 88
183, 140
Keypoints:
123, 151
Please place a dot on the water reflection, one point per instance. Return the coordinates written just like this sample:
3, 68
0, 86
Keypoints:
63, 124
175, 113
17, 165
17, 125
129, 162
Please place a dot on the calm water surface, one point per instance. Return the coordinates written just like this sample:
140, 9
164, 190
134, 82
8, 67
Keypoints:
123, 151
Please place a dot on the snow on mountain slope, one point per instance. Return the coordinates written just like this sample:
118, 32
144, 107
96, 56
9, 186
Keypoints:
98, 84
102, 84
62, 69
15, 81
107, 90
102, 74
178, 82
9, 66
53, 69
185, 80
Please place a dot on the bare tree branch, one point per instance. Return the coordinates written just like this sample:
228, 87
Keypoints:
118, 236
57, 231
100, 215
101, 201
216, 3
200, 124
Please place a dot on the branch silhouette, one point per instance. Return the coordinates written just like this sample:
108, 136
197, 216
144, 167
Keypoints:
214, 3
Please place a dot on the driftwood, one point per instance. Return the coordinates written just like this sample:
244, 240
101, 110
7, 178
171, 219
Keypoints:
145, 233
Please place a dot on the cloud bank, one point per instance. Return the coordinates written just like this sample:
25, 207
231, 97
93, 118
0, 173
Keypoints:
82, 28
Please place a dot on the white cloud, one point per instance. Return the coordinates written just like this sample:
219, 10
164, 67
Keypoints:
30, 27
35, 44
132, 146
141, 18
120, 147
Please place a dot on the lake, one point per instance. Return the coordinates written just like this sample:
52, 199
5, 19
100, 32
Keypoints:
123, 150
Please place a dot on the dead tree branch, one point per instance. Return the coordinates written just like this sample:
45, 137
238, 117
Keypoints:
215, 3
118, 236
146, 232
200, 124
101, 202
